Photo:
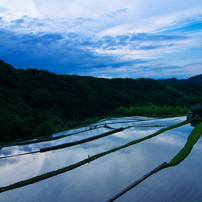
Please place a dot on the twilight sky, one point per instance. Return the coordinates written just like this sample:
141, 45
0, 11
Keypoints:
116, 38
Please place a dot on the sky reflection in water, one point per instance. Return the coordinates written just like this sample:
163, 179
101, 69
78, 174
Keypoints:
101, 179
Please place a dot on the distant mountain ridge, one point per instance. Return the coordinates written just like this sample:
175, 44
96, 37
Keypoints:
195, 80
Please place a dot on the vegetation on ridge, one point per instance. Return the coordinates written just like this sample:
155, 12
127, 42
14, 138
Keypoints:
35, 103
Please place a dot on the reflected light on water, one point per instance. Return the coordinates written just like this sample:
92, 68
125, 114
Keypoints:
98, 180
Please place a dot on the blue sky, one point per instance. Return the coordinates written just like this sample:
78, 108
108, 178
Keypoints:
116, 38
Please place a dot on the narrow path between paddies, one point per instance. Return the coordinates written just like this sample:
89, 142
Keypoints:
68, 144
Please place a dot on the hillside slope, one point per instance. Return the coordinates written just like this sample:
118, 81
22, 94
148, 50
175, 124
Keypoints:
37, 102
194, 80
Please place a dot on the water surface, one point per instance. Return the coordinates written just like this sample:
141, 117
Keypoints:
101, 179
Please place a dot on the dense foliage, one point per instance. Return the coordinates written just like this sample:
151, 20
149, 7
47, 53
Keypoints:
150, 110
35, 103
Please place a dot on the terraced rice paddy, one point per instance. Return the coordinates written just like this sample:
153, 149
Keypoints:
94, 171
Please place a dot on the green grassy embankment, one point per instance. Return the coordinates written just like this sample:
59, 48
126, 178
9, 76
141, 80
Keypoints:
184, 152
92, 158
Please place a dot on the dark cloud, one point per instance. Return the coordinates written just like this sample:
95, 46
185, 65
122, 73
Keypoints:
18, 21
71, 52
162, 67
72, 35
51, 36
133, 41
155, 37
123, 38
35, 22
39, 39
54, 52
107, 42
128, 63
114, 62
152, 47
25, 23
40, 24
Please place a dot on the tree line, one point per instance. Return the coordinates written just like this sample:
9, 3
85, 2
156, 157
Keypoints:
152, 110
36, 103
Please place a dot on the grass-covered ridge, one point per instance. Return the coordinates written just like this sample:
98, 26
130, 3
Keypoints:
191, 141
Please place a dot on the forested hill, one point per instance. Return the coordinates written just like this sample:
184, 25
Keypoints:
37, 102
195, 79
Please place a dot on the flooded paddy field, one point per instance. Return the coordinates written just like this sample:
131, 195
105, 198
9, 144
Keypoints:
104, 177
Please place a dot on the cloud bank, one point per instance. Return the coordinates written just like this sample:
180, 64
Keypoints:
103, 39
